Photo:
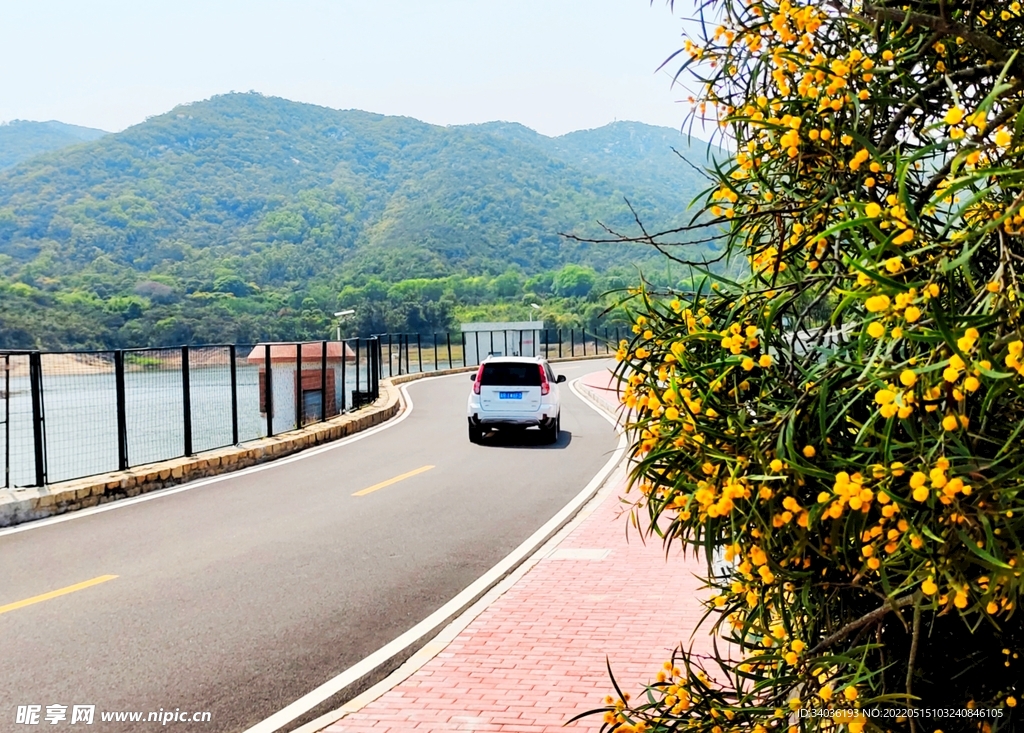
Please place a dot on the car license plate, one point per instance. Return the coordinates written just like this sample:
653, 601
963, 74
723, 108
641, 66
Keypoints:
510, 395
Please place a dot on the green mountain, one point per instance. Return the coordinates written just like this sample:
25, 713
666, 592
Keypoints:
638, 158
21, 139
245, 217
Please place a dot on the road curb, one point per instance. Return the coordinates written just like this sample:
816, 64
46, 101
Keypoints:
600, 400
445, 623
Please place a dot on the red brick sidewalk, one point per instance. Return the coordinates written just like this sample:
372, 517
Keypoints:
536, 656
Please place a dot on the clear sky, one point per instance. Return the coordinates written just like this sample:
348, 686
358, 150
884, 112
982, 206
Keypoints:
553, 65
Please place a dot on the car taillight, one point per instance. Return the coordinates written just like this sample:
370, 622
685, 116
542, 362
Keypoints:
479, 377
544, 386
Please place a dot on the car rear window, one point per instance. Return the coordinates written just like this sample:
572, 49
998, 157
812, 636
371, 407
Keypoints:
511, 375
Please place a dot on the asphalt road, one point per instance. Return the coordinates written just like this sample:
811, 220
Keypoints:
241, 596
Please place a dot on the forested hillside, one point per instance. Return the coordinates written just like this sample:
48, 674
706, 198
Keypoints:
246, 217
21, 140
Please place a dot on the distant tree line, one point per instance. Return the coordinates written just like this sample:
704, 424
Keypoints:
162, 311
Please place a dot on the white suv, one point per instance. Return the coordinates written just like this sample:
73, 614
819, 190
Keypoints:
514, 392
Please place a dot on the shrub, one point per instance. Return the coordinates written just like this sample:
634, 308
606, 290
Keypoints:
845, 421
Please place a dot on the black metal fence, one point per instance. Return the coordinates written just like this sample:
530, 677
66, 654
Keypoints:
66, 415
403, 353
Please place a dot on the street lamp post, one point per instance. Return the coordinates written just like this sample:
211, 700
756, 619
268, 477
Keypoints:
535, 307
341, 315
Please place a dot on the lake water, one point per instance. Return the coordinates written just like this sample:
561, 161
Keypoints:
80, 413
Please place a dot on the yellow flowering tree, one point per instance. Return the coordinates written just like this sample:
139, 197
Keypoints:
845, 421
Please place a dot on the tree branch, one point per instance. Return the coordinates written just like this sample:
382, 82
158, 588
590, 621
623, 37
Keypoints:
877, 615
950, 28
913, 655
889, 136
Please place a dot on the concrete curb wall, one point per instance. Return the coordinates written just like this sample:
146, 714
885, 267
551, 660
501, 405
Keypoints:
25, 505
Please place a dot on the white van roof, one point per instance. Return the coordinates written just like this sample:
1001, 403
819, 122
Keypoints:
514, 359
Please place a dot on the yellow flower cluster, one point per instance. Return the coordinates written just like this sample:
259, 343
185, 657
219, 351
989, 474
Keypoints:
1013, 353
904, 307
713, 502
937, 483
849, 491
737, 339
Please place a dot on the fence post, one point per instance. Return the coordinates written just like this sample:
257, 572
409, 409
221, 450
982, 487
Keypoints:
186, 400
572, 342
559, 343
323, 381
477, 335
375, 389
462, 335
233, 357
344, 369
583, 339
408, 355
7, 420
521, 342
298, 385
434, 336
419, 353
448, 340
369, 370
122, 413
356, 385
390, 372
35, 368
268, 384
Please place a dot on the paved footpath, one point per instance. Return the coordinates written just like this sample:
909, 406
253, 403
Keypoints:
536, 656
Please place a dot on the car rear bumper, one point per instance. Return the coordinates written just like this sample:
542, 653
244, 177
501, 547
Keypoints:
515, 420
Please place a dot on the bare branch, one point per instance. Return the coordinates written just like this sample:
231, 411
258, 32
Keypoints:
699, 170
913, 654
869, 618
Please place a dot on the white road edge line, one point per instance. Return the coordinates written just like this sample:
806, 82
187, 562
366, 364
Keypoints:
407, 408
468, 604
